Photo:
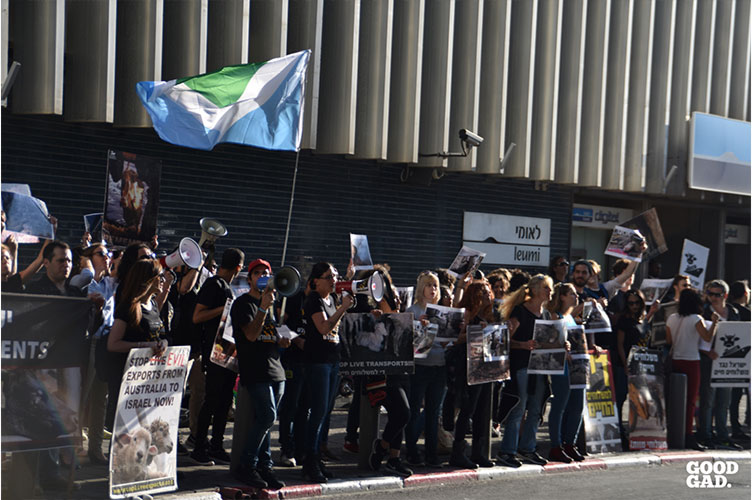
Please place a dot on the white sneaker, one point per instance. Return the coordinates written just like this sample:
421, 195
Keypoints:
285, 461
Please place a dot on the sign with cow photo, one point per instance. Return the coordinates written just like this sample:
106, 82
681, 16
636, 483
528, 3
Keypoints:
143, 452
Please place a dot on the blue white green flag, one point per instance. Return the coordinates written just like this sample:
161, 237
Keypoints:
258, 104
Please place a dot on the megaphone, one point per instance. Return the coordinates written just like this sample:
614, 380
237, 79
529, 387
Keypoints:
188, 253
211, 229
286, 281
373, 286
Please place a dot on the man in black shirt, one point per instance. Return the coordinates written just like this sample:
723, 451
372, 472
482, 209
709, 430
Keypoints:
219, 380
261, 375
58, 262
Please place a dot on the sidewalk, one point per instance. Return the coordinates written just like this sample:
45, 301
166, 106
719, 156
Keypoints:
196, 482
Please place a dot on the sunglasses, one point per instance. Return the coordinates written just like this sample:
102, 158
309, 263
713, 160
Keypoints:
563, 263
715, 294
103, 254
633, 302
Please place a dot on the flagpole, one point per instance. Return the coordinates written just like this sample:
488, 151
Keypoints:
289, 212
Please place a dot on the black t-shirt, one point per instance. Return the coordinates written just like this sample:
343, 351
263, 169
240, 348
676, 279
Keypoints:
632, 336
14, 284
259, 360
214, 293
519, 358
295, 321
149, 329
320, 348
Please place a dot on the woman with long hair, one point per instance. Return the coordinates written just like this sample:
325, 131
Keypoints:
321, 352
521, 309
472, 399
565, 415
137, 323
629, 332
428, 384
683, 333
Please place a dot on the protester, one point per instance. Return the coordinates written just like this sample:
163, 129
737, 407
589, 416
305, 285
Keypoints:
739, 298
15, 281
521, 309
261, 375
558, 268
565, 415
683, 332
428, 384
322, 354
395, 401
472, 400
220, 381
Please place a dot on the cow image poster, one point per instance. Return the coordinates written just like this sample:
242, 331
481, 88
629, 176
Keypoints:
732, 343
694, 263
599, 415
647, 404
143, 452
131, 201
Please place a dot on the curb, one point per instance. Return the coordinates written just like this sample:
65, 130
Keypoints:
338, 487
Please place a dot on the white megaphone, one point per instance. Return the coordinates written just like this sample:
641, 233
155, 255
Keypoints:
211, 229
188, 253
286, 281
373, 286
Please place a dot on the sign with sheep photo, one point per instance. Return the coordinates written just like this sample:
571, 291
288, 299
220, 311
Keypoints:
143, 453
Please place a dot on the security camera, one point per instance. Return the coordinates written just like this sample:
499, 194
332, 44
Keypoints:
470, 138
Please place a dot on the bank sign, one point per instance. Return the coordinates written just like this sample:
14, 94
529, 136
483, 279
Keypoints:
508, 239
599, 217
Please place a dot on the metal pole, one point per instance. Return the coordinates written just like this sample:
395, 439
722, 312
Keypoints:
289, 212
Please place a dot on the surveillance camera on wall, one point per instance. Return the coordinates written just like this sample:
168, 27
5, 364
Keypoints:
470, 138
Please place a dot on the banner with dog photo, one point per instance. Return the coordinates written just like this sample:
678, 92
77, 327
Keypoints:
599, 415
224, 352
43, 355
732, 343
376, 345
579, 359
424, 336
549, 357
487, 353
131, 201
448, 321
647, 404
143, 452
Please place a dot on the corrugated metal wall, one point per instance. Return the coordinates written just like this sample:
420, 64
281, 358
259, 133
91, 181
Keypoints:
593, 92
411, 226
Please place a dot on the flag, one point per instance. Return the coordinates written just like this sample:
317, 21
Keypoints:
256, 104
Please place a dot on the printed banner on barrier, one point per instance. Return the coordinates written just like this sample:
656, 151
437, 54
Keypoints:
732, 343
373, 346
647, 404
131, 202
487, 353
143, 452
601, 423
43, 352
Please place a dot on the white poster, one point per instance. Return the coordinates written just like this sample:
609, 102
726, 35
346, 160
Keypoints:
625, 243
732, 343
466, 261
694, 263
448, 321
143, 452
549, 355
360, 254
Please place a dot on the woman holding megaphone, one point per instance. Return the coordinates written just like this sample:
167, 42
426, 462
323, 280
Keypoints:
321, 353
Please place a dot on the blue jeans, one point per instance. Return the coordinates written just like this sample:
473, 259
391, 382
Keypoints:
512, 425
289, 433
534, 408
322, 381
429, 383
721, 403
264, 398
572, 418
560, 390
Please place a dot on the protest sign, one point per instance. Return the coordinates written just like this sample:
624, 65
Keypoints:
143, 454
601, 422
131, 201
549, 356
596, 319
487, 353
649, 226
447, 319
374, 346
654, 289
224, 353
625, 243
424, 336
732, 343
406, 296
93, 226
466, 261
26, 217
43, 353
658, 323
360, 254
579, 359
694, 263
647, 414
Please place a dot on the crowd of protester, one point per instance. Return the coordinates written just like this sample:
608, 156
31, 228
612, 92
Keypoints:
137, 303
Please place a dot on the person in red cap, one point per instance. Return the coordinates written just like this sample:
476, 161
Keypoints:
261, 374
